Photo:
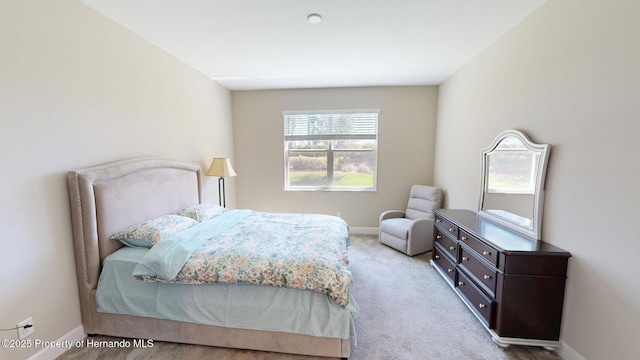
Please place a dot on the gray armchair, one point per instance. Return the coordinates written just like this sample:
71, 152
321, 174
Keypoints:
411, 231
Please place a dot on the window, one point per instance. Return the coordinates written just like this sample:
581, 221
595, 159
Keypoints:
330, 150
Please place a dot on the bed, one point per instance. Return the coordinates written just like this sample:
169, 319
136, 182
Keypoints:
108, 198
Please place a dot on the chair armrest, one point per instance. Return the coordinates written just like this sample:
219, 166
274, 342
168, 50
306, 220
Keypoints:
421, 225
420, 236
391, 214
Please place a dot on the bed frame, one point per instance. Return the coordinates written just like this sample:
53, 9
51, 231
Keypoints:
107, 198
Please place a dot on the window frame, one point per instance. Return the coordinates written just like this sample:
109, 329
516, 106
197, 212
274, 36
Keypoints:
330, 151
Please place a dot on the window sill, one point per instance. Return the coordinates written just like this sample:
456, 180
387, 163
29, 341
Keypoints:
331, 189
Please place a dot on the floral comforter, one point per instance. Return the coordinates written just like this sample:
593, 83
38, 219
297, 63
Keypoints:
301, 251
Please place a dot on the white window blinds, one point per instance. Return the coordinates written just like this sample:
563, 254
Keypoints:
362, 124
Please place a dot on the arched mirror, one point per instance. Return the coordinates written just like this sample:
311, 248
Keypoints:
513, 174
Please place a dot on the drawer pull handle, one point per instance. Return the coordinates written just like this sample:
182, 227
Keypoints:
486, 253
437, 256
451, 229
464, 238
449, 270
487, 277
460, 283
438, 220
452, 247
438, 236
482, 306
465, 258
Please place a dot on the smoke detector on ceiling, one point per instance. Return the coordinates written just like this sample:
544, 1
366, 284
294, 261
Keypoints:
314, 18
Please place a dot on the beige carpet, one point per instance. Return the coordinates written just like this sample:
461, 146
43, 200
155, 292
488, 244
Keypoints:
407, 311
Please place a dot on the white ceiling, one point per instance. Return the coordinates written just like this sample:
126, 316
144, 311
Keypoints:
269, 44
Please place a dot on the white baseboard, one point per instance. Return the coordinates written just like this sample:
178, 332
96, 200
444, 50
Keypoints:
66, 342
363, 230
566, 352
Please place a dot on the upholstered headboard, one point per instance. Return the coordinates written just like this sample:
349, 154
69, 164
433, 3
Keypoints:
108, 198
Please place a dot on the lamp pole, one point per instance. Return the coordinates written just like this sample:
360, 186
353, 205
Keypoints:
222, 196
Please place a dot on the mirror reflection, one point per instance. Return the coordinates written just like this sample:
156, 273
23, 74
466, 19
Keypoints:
513, 178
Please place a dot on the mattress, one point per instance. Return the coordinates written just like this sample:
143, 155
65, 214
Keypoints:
244, 306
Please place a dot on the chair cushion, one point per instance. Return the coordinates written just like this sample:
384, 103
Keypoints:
423, 200
398, 227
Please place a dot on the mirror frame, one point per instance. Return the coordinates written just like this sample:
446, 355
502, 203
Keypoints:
535, 230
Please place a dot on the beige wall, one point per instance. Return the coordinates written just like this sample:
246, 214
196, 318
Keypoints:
569, 75
77, 90
406, 129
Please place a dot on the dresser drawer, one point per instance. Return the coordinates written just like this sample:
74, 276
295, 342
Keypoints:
487, 252
474, 296
446, 226
444, 263
448, 245
485, 275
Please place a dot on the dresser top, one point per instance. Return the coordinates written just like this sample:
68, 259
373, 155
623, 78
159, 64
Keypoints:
496, 235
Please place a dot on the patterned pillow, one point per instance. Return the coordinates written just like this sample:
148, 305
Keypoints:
147, 233
203, 212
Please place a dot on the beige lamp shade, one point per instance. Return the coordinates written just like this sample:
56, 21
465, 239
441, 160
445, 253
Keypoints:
221, 167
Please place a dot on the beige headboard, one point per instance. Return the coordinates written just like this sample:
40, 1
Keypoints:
110, 197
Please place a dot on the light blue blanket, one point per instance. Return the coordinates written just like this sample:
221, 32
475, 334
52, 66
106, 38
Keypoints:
235, 306
167, 257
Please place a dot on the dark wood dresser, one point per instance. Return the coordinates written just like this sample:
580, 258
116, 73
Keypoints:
513, 284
